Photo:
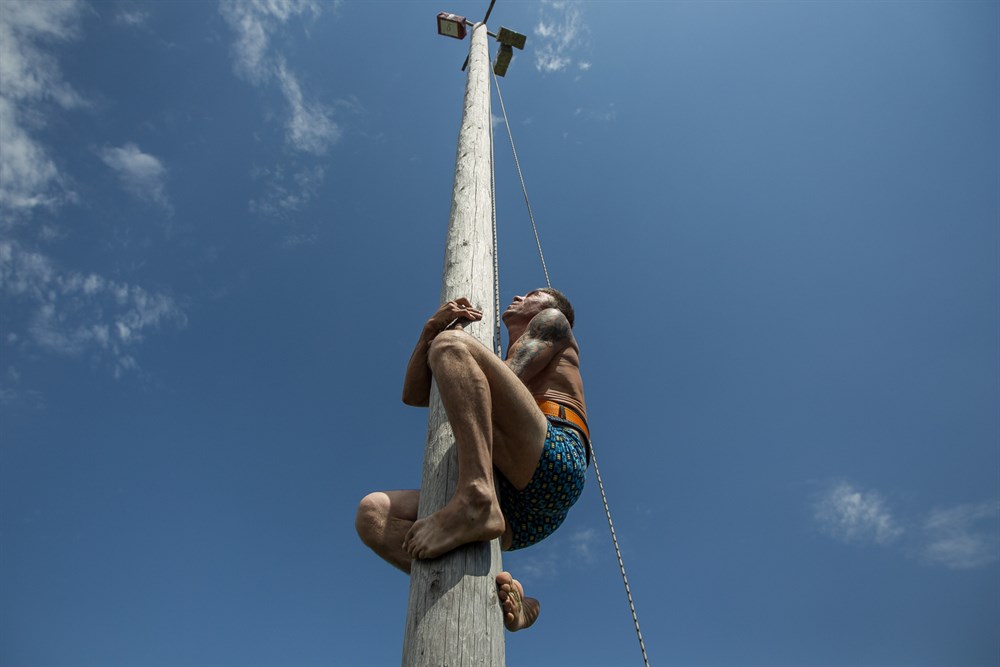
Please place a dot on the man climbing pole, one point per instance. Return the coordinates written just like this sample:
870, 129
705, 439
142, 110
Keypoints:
521, 432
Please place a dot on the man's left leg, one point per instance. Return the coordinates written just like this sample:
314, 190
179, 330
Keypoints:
385, 516
519, 611
496, 422
383, 520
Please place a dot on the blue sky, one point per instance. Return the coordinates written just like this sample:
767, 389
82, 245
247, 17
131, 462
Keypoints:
222, 227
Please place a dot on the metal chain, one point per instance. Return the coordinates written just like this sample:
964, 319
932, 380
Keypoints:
593, 455
517, 163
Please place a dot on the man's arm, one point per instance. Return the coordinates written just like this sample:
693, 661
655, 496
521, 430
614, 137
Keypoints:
417, 383
547, 335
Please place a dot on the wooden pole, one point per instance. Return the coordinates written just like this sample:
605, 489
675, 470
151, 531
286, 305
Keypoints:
454, 617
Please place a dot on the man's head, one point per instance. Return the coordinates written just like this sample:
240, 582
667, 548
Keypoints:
560, 302
525, 307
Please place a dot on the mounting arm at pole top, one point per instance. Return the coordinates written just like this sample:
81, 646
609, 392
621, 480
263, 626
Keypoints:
509, 40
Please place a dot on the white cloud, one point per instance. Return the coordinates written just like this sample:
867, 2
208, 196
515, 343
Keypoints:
958, 538
142, 174
254, 21
583, 542
852, 515
133, 18
605, 116
564, 549
961, 537
560, 31
73, 313
309, 126
285, 194
536, 563
30, 82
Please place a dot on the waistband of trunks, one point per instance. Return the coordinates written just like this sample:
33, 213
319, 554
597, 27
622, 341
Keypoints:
563, 424
553, 409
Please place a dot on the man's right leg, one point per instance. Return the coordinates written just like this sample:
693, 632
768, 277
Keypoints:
496, 422
383, 519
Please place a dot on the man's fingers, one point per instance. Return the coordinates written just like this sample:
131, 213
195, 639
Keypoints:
457, 312
464, 303
464, 308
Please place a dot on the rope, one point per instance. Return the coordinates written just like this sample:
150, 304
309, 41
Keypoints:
593, 454
496, 248
517, 163
621, 564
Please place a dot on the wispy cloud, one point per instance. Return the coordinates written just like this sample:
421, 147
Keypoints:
606, 115
309, 125
30, 84
142, 174
72, 313
963, 537
960, 537
850, 514
11, 391
284, 193
550, 558
254, 22
583, 543
132, 17
560, 33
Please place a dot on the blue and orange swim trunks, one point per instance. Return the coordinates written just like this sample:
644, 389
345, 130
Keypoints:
534, 512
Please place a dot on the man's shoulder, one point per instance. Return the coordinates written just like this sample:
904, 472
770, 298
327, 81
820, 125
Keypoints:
550, 325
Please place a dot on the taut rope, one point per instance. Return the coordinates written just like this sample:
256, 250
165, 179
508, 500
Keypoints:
593, 454
517, 163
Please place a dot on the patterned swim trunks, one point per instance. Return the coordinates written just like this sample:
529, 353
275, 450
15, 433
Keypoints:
537, 510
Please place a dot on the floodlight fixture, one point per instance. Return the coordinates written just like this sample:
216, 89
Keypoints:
504, 54
511, 38
451, 25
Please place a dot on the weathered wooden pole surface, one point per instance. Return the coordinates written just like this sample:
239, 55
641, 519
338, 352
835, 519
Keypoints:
454, 617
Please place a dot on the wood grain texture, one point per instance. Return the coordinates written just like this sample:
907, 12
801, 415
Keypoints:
454, 617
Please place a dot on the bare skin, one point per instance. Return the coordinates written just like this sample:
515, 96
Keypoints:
491, 408
519, 612
385, 517
493, 411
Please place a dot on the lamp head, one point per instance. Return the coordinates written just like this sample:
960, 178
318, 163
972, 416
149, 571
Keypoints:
451, 25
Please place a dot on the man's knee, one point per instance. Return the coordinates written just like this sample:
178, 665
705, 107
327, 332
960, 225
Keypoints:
449, 344
370, 521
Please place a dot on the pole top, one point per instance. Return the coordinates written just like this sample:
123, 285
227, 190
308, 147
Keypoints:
453, 25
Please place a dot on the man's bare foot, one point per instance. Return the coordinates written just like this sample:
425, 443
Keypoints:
519, 612
461, 521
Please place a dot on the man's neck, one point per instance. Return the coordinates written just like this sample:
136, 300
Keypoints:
514, 332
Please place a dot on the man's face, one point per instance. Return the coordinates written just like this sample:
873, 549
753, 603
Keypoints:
527, 306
